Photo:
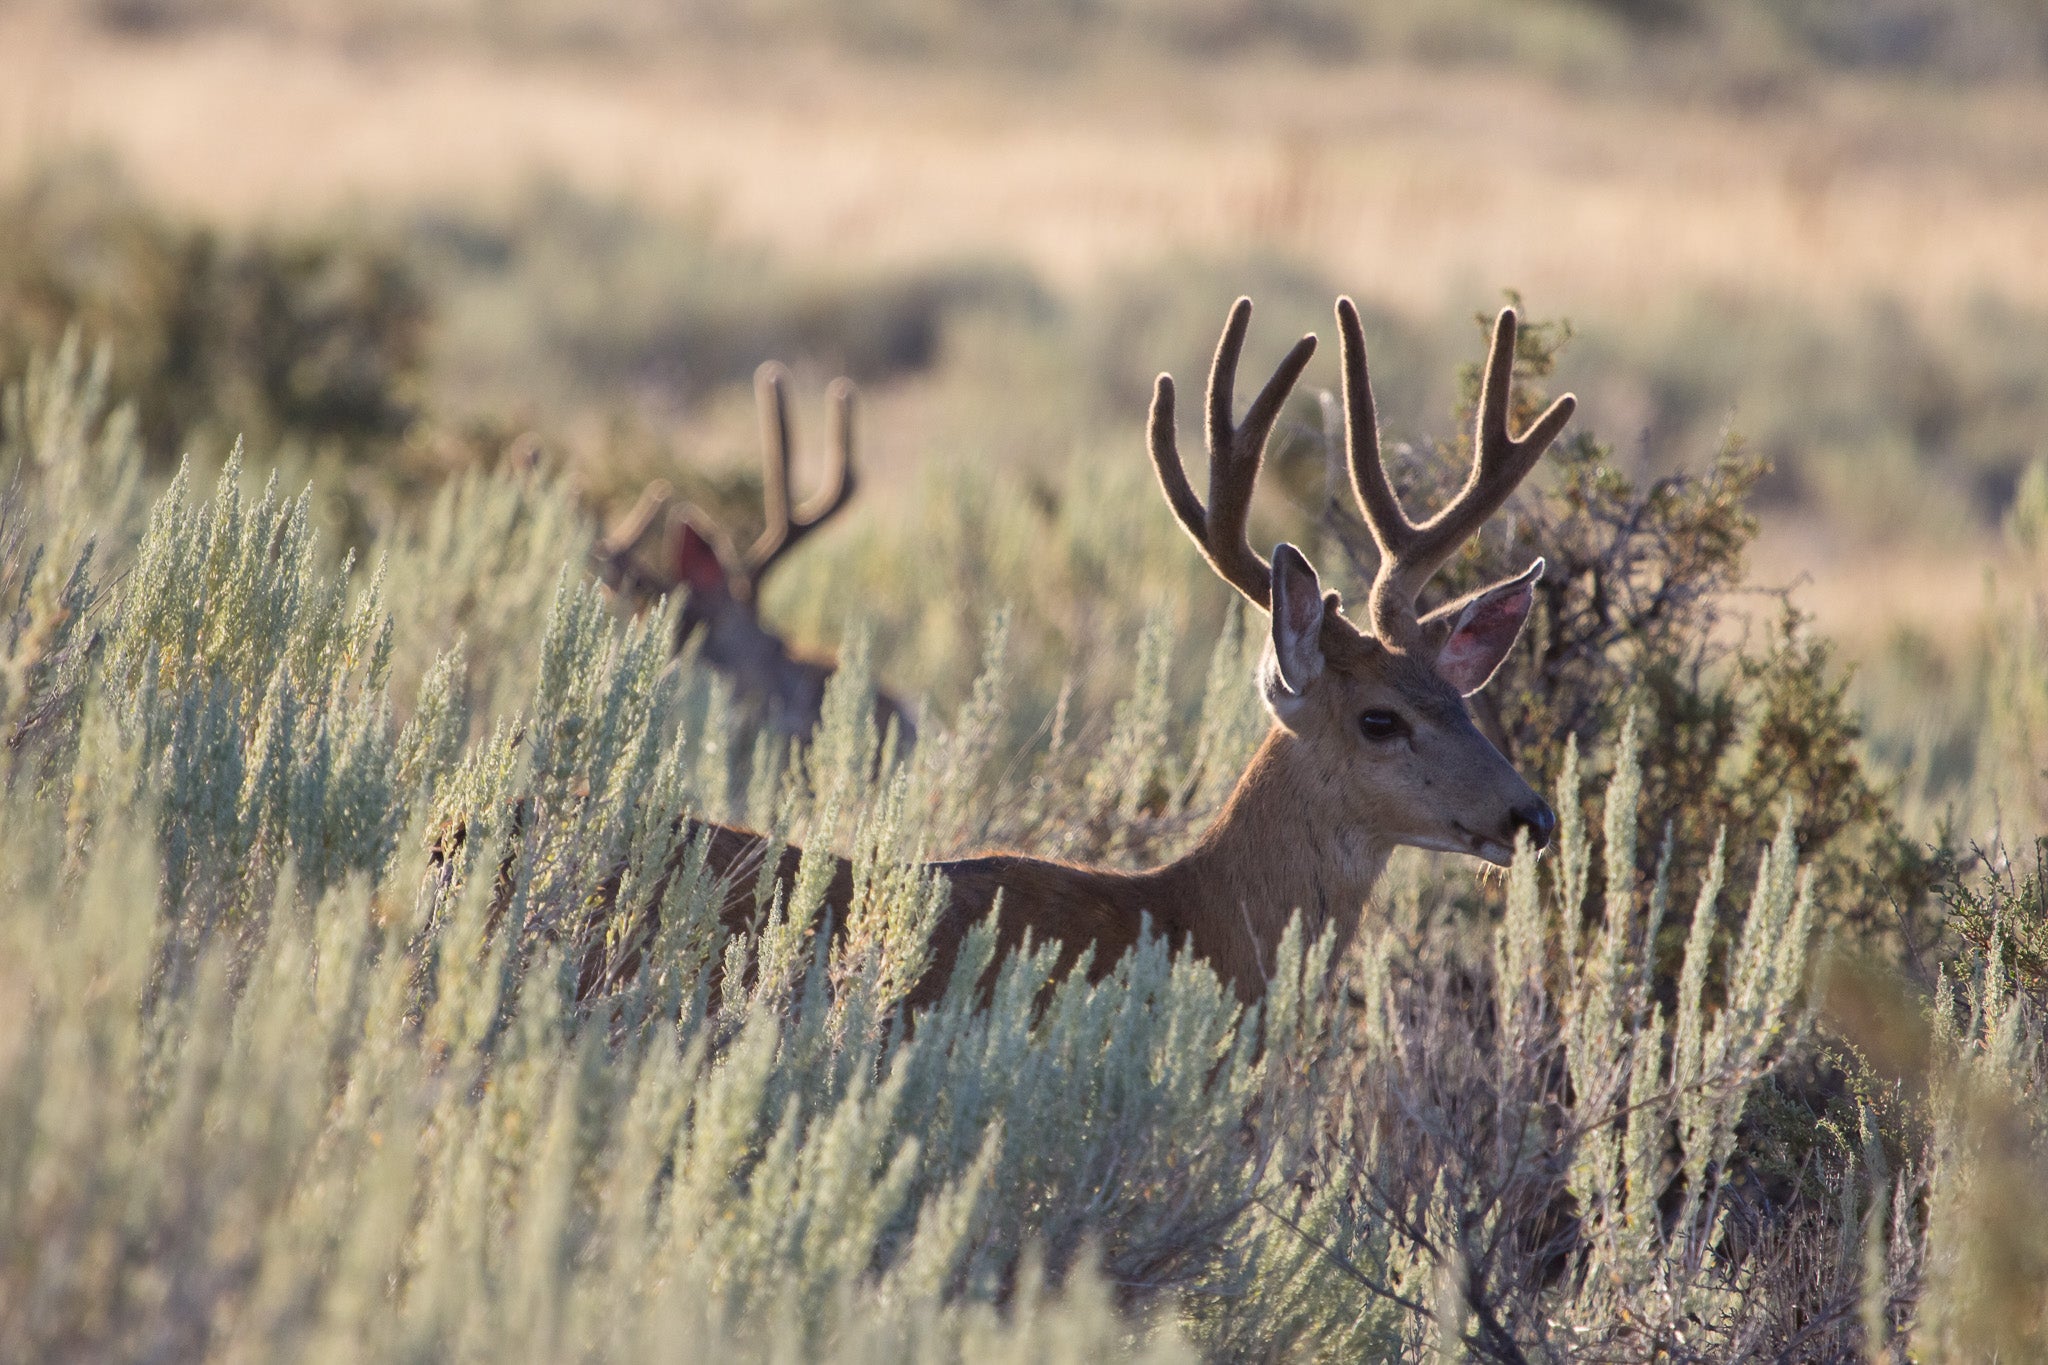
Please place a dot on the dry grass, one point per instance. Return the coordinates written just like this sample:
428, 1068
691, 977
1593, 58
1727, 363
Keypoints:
1862, 597
1417, 184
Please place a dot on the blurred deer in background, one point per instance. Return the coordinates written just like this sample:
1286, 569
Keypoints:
721, 588
1372, 744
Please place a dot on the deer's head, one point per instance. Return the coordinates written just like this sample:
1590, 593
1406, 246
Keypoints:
1378, 710
720, 586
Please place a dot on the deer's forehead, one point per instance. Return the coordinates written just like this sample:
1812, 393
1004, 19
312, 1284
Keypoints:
1398, 675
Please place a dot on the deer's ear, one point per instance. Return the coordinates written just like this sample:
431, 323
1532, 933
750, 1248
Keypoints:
694, 558
1296, 657
1473, 634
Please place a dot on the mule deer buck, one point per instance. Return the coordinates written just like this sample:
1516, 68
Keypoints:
721, 587
1372, 745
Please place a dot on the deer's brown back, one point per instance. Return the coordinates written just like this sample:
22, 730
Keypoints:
1077, 908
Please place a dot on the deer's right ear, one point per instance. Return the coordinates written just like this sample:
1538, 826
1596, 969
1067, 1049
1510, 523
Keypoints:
1473, 635
693, 558
1296, 658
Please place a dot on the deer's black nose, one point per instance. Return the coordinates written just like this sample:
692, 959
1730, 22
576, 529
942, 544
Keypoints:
1538, 819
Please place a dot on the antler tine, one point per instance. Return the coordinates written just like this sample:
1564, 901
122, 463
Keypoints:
1410, 553
785, 525
840, 399
1390, 527
1173, 476
632, 528
1236, 451
612, 554
1231, 474
1502, 459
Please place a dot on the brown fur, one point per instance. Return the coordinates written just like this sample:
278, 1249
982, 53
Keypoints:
1308, 827
1335, 786
773, 686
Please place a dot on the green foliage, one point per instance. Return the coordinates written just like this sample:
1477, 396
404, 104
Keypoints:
349, 1091
1941, 1161
477, 567
314, 881
68, 471
571, 295
1855, 411
2003, 913
1636, 615
1960, 38
1538, 1159
315, 340
1953, 38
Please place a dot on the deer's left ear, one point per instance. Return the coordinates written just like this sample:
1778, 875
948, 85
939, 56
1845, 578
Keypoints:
1473, 634
1295, 658
694, 558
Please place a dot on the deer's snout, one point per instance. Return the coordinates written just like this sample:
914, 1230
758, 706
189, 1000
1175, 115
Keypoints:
1538, 818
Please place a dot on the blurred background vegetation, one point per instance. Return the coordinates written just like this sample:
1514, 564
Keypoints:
1945, 38
387, 237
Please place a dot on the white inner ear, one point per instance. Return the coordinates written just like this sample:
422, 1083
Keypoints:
1297, 636
1283, 701
1477, 645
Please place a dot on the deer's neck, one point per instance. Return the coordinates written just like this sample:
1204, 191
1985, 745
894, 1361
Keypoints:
1279, 846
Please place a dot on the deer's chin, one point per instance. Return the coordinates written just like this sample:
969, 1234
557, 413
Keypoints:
1471, 844
1495, 852
1467, 843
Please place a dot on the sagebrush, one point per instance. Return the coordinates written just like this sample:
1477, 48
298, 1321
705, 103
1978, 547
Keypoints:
276, 1081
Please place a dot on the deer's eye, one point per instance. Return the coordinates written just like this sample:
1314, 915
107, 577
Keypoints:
1382, 726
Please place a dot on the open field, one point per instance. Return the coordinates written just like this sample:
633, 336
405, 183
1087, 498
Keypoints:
1416, 185
1425, 190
